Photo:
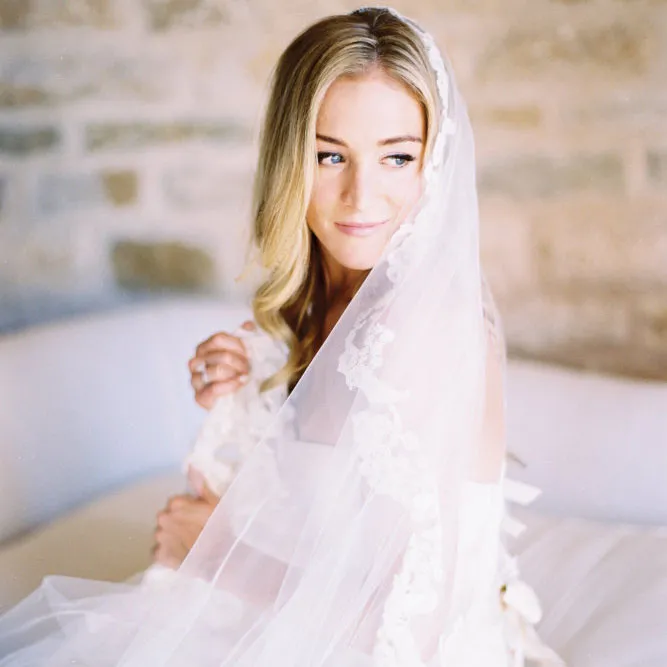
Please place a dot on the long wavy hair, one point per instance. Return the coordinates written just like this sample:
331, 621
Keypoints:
290, 305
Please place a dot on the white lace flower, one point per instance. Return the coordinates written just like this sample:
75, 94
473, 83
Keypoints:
522, 598
358, 363
398, 255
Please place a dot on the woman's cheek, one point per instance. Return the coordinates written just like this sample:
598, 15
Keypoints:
321, 196
412, 193
316, 210
404, 202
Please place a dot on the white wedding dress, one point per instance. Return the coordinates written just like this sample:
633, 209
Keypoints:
495, 611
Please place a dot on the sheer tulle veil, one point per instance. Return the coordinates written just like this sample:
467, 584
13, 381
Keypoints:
335, 544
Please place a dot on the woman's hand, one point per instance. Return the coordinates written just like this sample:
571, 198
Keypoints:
220, 366
181, 522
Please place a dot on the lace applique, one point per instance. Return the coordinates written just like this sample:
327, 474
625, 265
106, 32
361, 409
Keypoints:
391, 461
396, 468
358, 363
397, 257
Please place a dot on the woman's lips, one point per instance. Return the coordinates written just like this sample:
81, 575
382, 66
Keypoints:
359, 228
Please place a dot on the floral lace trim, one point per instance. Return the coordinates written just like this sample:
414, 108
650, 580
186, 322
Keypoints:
393, 465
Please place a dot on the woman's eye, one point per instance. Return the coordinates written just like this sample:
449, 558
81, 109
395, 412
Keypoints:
401, 159
334, 158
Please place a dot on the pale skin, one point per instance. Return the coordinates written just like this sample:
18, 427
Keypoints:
370, 141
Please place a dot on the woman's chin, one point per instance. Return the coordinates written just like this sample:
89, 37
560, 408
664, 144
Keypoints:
359, 260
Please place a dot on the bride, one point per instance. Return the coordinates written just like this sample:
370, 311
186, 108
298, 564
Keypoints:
357, 438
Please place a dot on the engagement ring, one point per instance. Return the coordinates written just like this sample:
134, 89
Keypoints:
204, 373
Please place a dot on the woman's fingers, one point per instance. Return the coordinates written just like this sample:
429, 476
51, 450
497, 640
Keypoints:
229, 373
168, 549
219, 367
229, 358
171, 544
206, 395
221, 341
220, 362
215, 375
179, 526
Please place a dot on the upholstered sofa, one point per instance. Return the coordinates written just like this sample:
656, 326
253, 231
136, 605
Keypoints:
96, 414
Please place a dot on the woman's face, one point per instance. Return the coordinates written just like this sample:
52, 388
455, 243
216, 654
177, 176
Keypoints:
370, 139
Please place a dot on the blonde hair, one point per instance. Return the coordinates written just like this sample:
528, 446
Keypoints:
290, 304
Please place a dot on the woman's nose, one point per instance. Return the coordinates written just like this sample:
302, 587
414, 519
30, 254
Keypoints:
358, 187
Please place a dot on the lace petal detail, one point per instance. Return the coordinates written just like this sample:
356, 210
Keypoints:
521, 493
520, 605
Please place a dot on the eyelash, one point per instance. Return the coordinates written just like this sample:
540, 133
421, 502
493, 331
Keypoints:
323, 155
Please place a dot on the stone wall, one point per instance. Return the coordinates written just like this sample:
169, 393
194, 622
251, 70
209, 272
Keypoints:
127, 143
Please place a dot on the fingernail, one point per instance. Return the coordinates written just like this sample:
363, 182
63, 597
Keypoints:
243, 379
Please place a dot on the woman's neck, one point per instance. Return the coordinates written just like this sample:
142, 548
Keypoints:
340, 283
340, 286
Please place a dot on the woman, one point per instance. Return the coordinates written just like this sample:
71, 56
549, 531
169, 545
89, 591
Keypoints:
362, 524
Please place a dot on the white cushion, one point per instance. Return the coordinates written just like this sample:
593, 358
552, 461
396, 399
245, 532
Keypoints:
95, 402
595, 445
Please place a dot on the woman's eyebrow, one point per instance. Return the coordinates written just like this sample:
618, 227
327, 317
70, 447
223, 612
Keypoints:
330, 140
382, 142
400, 140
